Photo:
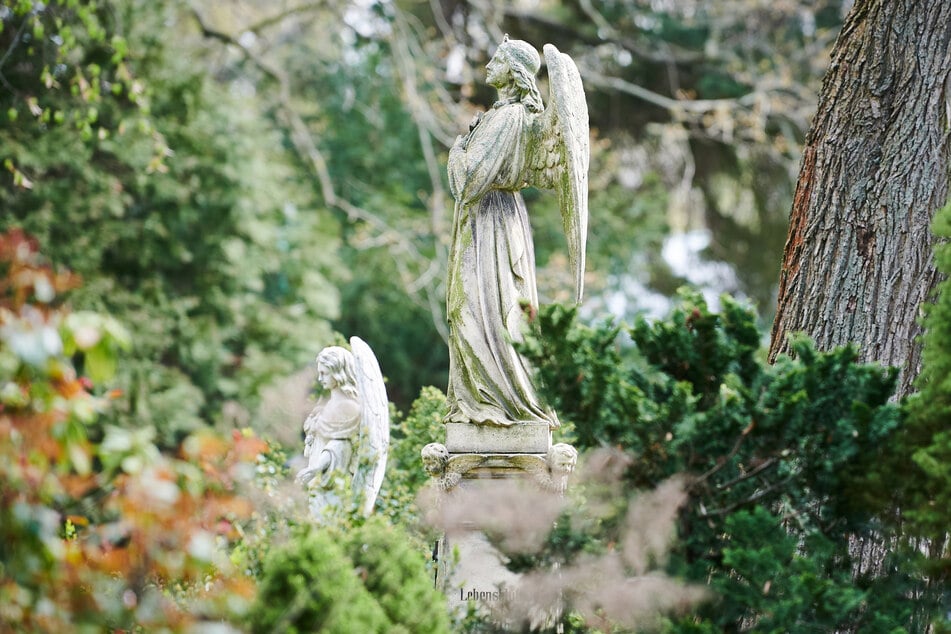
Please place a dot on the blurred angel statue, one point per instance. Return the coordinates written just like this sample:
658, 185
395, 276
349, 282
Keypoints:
491, 280
347, 435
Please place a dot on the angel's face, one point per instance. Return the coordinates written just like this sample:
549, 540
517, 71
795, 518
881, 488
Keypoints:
563, 464
497, 71
325, 377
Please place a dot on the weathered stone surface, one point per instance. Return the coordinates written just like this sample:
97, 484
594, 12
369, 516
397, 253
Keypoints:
491, 287
524, 438
549, 471
479, 574
518, 495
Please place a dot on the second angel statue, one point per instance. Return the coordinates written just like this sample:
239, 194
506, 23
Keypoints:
491, 281
347, 435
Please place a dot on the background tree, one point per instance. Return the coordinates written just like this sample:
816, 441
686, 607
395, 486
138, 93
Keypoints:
332, 120
172, 197
875, 168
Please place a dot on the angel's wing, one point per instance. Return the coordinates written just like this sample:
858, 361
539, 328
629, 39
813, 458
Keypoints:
374, 442
561, 152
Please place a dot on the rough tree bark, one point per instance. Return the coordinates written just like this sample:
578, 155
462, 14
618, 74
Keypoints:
857, 263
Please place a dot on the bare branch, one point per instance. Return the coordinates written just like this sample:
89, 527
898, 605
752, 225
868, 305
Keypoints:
675, 106
756, 497
419, 109
283, 15
763, 466
725, 460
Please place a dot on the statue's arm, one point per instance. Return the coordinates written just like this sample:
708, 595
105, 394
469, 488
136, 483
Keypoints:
475, 160
310, 424
308, 473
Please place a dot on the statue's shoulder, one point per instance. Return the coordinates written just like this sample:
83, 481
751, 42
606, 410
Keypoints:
343, 410
505, 114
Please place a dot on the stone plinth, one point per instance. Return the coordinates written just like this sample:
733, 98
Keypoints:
475, 463
521, 438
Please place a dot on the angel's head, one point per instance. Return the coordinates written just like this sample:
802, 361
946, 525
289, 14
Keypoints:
562, 458
335, 370
513, 67
435, 458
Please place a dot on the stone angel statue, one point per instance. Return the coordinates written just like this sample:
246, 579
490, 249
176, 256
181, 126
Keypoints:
491, 280
347, 435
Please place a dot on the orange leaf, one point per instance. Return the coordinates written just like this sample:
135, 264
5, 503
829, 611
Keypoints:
77, 486
114, 560
247, 449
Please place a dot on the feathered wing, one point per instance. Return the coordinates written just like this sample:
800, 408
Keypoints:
374, 438
560, 155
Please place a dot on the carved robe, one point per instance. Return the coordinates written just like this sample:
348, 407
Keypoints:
332, 429
491, 274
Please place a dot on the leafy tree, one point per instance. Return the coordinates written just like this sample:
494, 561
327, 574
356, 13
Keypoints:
98, 529
783, 462
172, 197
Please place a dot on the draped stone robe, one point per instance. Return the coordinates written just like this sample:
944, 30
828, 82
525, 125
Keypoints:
491, 274
332, 428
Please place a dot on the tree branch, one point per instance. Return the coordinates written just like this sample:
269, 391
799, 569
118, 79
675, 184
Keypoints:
283, 15
756, 497
763, 466
675, 106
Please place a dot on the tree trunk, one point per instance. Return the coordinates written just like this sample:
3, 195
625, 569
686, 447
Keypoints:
857, 263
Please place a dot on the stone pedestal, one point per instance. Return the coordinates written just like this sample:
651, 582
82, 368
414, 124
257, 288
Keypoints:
470, 568
479, 461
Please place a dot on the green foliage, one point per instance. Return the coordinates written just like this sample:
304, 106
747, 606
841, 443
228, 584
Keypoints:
98, 529
580, 385
367, 579
396, 575
783, 461
921, 464
405, 475
310, 586
172, 198
777, 582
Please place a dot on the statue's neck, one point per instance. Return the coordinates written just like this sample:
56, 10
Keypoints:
507, 94
336, 394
